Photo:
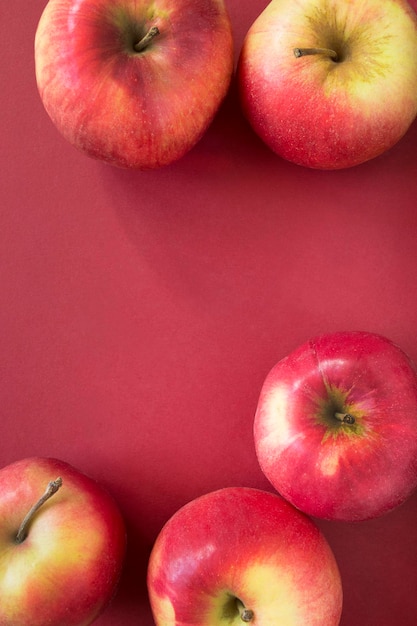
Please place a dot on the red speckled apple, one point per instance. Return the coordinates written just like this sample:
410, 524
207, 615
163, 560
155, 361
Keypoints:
330, 84
336, 426
240, 555
62, 545
134, 83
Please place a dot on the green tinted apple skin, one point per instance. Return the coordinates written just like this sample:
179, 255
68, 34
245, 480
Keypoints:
327, 467
322, 113
67, 569
242, 551
133, 109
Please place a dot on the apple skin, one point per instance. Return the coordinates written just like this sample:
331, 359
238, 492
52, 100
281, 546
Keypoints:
133, 109
66, 570
323, 114
325, 467
246, 544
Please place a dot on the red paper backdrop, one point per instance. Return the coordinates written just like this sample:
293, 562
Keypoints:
140, 312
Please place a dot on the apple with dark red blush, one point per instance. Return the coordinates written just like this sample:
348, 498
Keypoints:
62, 545
134, 83
336, 426
240, 556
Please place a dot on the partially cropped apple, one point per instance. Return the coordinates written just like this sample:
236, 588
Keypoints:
336, 426
134, 83
330, 84
241, 555
62, 545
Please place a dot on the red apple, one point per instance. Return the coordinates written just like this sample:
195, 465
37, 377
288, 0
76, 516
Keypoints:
62, 545
331, 83
134, 83
241, 555
336, 426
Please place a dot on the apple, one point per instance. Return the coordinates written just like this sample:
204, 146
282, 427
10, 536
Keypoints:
62, 545
330, 84
134, 83
335, 428
241, 555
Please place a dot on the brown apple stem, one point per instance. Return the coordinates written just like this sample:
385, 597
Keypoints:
52, 488
246, 615
303, 52
345, 418
146, 40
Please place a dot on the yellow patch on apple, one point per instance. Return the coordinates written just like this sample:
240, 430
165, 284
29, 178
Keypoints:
276, 600
329, 463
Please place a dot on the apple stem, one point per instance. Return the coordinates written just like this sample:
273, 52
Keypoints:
345, 418
146, 40
246, 615
303, 52
52, 488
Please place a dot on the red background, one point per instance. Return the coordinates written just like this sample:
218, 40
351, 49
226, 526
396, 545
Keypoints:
140, 312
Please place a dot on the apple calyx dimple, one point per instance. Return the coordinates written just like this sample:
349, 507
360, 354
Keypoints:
302, 52
146, 40
345, 418
246, 615
51, 489
338, 414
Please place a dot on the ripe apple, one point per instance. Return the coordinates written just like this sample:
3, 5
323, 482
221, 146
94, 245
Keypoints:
330, 84
240, 555
134, 83
336, 426
62, 545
